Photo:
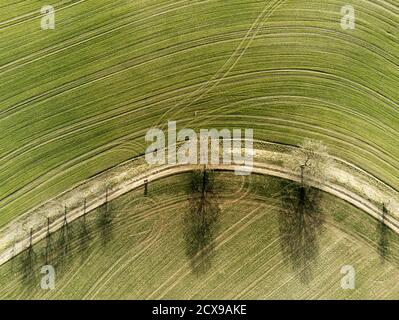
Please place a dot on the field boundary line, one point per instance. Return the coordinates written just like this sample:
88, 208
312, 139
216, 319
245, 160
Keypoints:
155, 173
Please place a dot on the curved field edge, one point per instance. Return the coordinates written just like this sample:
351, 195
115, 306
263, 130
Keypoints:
345, 181
109, 72
146, 255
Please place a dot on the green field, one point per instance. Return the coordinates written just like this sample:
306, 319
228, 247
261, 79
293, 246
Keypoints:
145, 252
78, 99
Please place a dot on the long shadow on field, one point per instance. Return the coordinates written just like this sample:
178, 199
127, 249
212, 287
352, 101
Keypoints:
63, 244
300, 224
84, 239
201, 221
28, 267
105, 223
383, 236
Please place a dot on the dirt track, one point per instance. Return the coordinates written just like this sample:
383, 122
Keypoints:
168, 170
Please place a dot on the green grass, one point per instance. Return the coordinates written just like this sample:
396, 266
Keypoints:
78, 100
146, 256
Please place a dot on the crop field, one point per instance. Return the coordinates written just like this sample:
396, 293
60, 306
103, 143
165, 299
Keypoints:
146, 255
78, 99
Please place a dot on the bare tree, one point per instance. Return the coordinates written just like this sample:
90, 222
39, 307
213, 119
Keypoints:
201, 220
13, 255
301, 218
63, 243
84, 233
49, 244
311, 161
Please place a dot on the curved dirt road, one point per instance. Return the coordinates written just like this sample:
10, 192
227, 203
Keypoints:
168, 170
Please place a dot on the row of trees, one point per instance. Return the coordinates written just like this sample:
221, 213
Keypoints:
300, 220
58, 248
301, 217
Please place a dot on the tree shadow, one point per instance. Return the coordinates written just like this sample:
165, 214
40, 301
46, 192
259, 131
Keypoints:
383, 236
104, 223
300, 224
201, 221
27, 264
84, 238
63, 245
49, 250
